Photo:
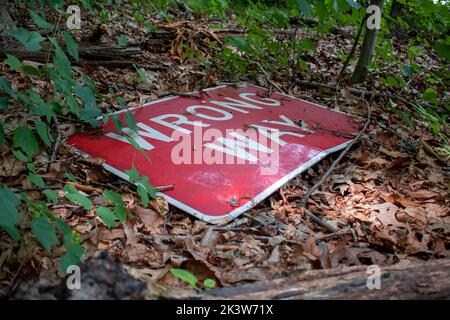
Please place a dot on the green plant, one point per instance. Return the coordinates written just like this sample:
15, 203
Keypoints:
65, 96
192, 280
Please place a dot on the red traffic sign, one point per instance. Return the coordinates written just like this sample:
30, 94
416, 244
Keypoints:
224, 149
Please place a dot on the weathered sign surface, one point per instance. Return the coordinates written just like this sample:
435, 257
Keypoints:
225, 150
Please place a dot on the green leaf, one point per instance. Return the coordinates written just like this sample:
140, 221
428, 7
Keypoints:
430, 95
151, 191
88, 82
353, 4
73, 105
9, 216
74, 252
143, 194
122, 40
121, 213
36, 180
107, 216
25, 139
4, 84
131, 122
137, 147
19, 155
4, 103
113, 197
62, 63
209, 283
44, 232
63, 227
304, 7
80, 199
33, 71
392, 82
406, 70
307, 44
40, 22
121, 101
239, 42
186, 276
13, 62
133, 174
90, 111
31, 40
70, 188
142, 74
118, 125
443, 50
71, 177
51, 195
61, 85
43, 131
71, 45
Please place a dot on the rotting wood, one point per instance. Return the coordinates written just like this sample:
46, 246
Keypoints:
423, 280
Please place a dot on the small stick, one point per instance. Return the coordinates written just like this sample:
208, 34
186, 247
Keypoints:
335, 162
85, 188
187, 95
319, 221
164, 188
57, 142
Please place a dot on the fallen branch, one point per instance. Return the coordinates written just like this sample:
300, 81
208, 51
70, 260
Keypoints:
319, 221
111, 55
422, 280
367, 93
335, 162
85, 188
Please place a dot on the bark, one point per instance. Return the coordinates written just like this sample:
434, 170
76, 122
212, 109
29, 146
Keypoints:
94, 54
424, 280
6, 22
368, 46
109, 279
397, 10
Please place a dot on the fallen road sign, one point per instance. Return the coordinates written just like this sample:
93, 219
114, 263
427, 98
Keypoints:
224, 149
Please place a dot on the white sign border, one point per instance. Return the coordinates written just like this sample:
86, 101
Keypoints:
252, 202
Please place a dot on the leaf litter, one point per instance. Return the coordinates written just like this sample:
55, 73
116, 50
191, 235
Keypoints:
388, 199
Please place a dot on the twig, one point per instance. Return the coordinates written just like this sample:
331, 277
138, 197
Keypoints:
319, 221
352, 51
39, 188
187, 95
350, 55
273, 83
57, 142
366, 93
85, 188
335, 162
164, 188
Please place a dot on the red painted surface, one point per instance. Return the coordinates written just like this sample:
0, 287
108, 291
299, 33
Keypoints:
207, 189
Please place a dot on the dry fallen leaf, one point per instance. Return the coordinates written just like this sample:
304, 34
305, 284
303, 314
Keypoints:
153, 221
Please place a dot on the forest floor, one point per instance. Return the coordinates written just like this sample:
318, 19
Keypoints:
389, 195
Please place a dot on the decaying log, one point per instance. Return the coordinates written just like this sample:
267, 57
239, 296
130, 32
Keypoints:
93, 54
424, 280
105, 277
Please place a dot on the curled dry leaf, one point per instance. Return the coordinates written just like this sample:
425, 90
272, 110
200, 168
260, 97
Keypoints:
93, 161
153, 221
10, 166
161, 205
